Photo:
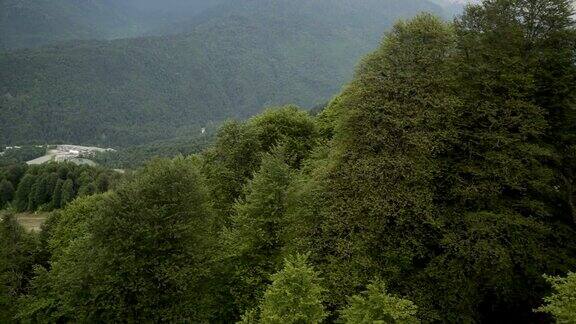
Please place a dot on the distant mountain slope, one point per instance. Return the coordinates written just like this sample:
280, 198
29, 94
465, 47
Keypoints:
454, 7
244, 56
32, 23
25, 23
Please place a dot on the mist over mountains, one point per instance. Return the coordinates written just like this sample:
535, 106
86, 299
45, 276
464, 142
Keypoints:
218, 60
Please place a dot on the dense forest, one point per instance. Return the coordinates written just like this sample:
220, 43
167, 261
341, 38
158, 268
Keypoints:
33, 23
50, 186
137, 155
437, 187
22, 154
247, 55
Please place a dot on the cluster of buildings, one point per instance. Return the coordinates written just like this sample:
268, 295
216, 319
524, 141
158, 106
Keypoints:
10, 148
70, 153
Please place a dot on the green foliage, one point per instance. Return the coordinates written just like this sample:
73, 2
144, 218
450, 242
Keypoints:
139, 253
6, 192
281, 138
501, 109
504, 176
74, 222
442, 173
67, 193
295, 295
23, 192
445, 169
57, 194
562, 304
377, 306
255, 238
136, 156
15, 156
239, 58
52, 186
13, 173
17, 258
239, 148
372, 202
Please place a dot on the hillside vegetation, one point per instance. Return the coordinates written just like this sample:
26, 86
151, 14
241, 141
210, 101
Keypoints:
246, 55
50, 186
437, 187
33, 23
40, 22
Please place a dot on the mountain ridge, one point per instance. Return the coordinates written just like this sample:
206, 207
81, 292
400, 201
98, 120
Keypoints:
235, 63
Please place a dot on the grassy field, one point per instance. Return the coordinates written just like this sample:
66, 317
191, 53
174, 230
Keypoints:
32, 222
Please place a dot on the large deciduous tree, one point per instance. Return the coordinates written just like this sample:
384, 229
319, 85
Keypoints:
377, 190
141, 253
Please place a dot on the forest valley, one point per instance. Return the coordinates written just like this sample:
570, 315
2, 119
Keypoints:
437, 187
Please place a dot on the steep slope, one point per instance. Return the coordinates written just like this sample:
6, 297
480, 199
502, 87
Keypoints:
244, 56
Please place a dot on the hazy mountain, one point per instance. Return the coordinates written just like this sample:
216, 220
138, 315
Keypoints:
38, 22
30, 23
453, 7
241, 57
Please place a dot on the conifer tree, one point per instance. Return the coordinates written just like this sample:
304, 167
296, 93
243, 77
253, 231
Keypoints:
68, 192
6, 192
295, 295
39, 193
377, 306
57, 194
255, 240
14, 173
23, 192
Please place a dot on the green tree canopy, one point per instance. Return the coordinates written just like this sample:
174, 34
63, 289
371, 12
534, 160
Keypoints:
295, 295
144, 255
255, 237
67, 192
6, 192
562, 303
376, 305
23, 192
377, 187
17, 259
239, 149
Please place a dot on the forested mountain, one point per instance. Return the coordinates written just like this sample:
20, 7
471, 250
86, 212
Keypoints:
242, 57
39, 22
438, 186
31, 23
